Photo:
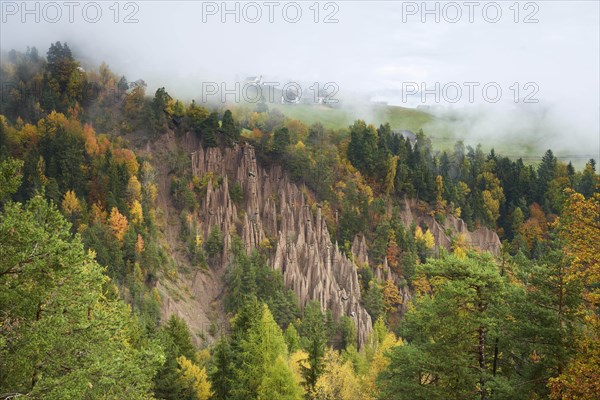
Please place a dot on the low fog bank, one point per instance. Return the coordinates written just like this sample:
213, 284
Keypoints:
370, 52
522, 129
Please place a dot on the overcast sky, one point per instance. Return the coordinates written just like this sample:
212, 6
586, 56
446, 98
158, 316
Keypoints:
373, 48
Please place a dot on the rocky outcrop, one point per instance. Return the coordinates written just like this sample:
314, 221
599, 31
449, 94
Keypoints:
275, 209
482, 238
359, 250
275, 214
382, 272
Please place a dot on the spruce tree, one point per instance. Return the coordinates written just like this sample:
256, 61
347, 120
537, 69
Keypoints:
450, 334
313, 332
231, 134
209, 129
74, 337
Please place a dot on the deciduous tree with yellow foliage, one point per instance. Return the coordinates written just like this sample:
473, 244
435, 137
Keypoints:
580, 228
193, 380
118, 223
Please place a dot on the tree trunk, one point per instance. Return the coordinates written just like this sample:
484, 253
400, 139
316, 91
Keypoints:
495, 367
561, 288
482, 381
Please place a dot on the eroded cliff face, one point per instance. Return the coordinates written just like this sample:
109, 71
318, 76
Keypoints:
274, 209
381, 272
483, 239
274, 213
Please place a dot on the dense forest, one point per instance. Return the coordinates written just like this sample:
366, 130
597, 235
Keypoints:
82, 247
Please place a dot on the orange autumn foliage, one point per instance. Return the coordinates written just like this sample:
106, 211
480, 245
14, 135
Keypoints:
118, 223
127, 157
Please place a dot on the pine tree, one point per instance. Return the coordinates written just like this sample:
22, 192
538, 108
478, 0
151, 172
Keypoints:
259, 345
63, 85
354, 152
209, 128
196, 116
314, 336
221, 372
373, 300
384, 135
74, 338
281, 139
10, 177
214, 243
546, 307
370, 153
589, 181
545, 173
231, 133
177, 342
292, 339
450, 332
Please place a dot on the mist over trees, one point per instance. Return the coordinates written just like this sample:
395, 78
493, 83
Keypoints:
89, 186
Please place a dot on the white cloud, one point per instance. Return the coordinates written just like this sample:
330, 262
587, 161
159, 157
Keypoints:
369, 50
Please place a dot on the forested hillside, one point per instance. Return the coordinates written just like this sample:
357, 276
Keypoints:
152, 248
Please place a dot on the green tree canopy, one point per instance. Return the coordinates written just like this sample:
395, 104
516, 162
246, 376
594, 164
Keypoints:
65, 335
450, 333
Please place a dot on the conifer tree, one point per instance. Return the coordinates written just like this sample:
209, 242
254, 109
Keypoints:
231, 133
